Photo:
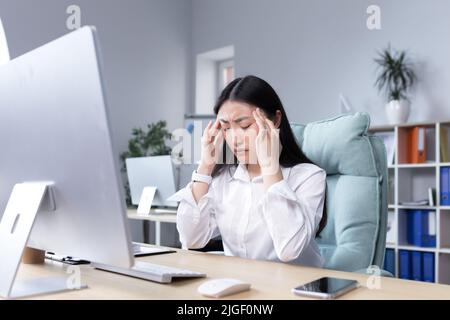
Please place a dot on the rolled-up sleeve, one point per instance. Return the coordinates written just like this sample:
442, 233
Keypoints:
196, 222
293, 212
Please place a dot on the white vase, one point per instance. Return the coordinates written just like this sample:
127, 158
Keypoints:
397, 111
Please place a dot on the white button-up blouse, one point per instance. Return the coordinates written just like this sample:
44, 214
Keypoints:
279, 224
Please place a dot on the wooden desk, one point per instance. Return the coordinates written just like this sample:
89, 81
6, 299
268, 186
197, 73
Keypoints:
157, 216
270, 280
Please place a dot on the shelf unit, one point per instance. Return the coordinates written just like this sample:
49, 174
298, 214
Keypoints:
410, 182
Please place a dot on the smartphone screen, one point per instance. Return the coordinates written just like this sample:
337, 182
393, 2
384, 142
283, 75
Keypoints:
326, 287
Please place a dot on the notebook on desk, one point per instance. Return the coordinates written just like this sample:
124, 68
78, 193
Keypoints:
142, 251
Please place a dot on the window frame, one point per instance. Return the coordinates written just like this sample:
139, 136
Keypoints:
221, 66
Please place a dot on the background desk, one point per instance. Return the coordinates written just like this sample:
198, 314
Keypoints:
157, 216
270, 280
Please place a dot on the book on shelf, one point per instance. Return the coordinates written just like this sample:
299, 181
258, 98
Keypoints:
391, 188
428, 266
432, 197
389, 261
445, 186
417, 150
421, 228
404, 259
416, 265
444, 146
391, 235
389, 142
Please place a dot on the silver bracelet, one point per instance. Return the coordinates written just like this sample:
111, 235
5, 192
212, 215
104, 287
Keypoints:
197, 177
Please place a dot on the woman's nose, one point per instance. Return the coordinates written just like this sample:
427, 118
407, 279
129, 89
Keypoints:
232, 134
240, 140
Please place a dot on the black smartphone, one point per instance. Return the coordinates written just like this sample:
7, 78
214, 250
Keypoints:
326, 288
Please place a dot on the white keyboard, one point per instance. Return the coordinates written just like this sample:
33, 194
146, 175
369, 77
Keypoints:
165, 210
152, 272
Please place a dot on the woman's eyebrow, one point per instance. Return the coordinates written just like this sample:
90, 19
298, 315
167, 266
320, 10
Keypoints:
237, 120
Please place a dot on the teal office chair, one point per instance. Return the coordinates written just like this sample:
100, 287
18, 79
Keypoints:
355, 235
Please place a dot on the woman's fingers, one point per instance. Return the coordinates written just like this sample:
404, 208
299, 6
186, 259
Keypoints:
256, 120
217, 146
260, 114
208, 128
206, 137
214, 127
211, 131
259, 121
218, 138
270, 123
267, 122
215, 130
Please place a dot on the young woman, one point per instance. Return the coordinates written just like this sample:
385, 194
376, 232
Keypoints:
268, 203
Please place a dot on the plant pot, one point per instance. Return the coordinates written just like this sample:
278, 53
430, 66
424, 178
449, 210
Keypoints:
397, 111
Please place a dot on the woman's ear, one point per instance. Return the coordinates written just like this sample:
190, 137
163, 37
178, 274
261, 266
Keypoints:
278, 117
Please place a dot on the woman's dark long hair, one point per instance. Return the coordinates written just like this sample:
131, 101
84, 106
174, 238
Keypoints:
257, 92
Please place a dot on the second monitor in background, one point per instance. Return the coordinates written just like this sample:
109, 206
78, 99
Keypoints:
158, 172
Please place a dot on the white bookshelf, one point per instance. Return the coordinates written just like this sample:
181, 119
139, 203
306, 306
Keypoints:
410, 182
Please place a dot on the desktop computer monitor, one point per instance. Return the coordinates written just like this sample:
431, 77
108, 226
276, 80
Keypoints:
54, 127
156, 172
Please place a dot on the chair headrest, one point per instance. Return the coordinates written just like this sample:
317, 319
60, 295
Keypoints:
339, 145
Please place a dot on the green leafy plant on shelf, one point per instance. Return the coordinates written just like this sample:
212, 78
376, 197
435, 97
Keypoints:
146, 143
396, 78
397, 75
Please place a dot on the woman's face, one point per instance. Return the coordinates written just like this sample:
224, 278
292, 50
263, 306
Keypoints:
239, 129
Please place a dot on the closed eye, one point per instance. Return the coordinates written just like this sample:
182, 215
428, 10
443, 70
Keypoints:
243, 128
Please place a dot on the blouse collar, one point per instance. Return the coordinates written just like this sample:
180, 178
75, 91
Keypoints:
241, 173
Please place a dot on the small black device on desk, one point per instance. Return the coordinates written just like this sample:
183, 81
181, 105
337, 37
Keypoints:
65, 259
138, 250
326, 288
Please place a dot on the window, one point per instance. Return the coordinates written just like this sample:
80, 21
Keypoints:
214, 70
225, 73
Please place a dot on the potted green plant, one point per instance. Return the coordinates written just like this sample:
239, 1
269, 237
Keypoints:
146, 143
396, 78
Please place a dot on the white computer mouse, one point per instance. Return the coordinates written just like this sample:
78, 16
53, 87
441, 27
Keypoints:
217, 288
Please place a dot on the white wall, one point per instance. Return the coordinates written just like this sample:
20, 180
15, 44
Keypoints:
145, 46
146, 49
311, 50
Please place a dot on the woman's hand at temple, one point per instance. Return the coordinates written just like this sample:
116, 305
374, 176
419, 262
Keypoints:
268, 146
212, 143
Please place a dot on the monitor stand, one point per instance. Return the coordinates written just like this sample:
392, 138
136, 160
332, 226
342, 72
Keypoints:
145, 203
26, 200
